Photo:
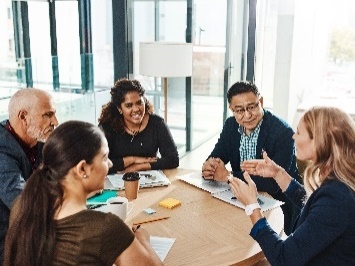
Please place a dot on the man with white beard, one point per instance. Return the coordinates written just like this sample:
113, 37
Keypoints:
32, 117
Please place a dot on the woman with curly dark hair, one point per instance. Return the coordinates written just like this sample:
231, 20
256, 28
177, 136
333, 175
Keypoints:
134, 133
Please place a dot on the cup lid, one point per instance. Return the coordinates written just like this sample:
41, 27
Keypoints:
131, 176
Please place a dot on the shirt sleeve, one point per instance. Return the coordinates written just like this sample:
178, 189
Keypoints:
167, 148
319, 229
296, 193
116, 238
117, 162
11, 179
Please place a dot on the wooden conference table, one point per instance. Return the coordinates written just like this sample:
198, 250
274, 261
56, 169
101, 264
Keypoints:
208, 231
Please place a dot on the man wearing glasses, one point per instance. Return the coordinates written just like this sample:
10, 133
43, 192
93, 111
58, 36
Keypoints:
245, 136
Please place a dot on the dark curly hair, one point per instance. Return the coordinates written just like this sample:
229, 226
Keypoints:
110, 114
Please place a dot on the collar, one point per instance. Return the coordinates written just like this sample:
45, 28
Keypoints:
241, 129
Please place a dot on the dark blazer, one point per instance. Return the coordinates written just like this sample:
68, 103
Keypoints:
324, 233
275, 137
15, 169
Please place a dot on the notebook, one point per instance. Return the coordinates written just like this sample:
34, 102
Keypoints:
153, 178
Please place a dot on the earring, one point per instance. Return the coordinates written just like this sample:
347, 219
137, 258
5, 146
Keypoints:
85, 176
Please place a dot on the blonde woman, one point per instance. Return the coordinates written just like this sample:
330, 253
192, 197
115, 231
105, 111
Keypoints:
324, 233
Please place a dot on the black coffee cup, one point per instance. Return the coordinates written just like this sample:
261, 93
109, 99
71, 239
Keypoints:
131, 184
131, 176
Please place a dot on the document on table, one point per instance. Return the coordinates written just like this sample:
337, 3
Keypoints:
162, 245
151, 178
266, 203
222, 191
196, 179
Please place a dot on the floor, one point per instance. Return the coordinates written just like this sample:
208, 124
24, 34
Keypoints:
194, 160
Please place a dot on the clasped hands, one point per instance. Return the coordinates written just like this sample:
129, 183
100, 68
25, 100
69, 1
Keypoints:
214, 169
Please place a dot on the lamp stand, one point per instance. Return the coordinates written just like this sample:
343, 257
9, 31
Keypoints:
165, 80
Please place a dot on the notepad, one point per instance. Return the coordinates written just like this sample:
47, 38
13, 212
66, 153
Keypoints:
170, 203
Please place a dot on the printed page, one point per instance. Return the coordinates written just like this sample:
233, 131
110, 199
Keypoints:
266, 203
147, 179
197, 180
162, 245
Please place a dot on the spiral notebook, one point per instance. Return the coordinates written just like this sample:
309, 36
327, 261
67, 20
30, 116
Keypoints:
222, 191
152, 178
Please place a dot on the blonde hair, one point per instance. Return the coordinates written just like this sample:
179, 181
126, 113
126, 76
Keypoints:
333, 132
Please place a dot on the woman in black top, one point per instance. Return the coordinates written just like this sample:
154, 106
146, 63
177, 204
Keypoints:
134, 133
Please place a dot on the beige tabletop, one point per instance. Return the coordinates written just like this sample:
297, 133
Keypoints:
208, 231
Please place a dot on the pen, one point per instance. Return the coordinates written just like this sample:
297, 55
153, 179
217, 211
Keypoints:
151, 220
135, 229
95, 206
260, 201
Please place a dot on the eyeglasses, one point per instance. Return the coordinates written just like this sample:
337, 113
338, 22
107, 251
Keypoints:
250, 108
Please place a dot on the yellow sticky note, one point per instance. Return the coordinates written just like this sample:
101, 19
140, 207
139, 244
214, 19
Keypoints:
170, 203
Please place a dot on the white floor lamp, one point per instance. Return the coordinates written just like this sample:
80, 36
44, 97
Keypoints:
165, 60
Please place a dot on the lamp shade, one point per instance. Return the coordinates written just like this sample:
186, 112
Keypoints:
165, 59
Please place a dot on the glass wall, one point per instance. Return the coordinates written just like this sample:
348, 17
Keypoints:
55, 46
306, 55
8, 64
166, 21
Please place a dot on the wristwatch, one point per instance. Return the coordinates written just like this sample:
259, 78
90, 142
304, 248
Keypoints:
251, 207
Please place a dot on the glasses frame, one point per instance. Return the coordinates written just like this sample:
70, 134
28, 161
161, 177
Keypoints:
251, 108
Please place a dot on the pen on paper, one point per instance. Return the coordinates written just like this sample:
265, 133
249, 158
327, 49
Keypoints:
151, 220
259, 200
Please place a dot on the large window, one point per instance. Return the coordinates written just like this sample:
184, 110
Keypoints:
306, 55
166, 21
8, 65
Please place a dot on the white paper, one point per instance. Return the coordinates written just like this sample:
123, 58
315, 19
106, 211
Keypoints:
221, 190
158, 178
266, 203
162, 245
197, 180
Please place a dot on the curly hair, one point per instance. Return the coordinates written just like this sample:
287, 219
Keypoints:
333, 132
110, 114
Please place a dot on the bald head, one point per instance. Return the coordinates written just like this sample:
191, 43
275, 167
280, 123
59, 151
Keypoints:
26, 100
32, 115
